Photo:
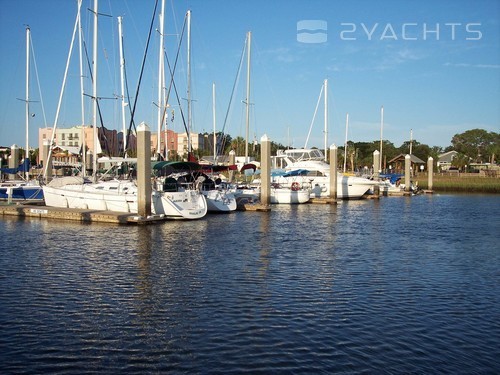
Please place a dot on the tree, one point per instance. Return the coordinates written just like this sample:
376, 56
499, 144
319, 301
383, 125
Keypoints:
460, 161
477, 144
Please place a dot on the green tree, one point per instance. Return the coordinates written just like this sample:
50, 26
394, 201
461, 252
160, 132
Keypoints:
477, 144
460, 161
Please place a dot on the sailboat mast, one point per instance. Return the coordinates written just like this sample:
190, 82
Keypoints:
381, 135
58, 110
160, 81
188, 15
122, 80
326, 118
249, 41
411, 140
94, 93
213, 119
82, 100
28, 39
345, 143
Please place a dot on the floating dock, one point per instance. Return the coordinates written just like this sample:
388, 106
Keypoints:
81, 215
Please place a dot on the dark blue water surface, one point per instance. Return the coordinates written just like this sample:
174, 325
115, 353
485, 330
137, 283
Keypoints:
398, 285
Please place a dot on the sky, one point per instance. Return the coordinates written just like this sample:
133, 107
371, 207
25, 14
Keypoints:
434, 66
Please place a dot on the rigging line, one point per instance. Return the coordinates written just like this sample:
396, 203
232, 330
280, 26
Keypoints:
314, 116
235, 84
142, 71
177, 96
106, 143
167, 97
38, 82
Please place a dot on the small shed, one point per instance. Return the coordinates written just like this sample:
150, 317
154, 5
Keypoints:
397, 164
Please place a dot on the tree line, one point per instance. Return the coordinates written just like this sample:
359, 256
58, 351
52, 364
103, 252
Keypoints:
473, 146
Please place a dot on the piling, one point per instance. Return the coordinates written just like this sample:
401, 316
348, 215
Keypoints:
430, 172
232, 161
143, 170
407, 172
48, 160
13, 160
333, 172
376, 172
265, 167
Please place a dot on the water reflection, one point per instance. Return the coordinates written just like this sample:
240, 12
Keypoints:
395, 285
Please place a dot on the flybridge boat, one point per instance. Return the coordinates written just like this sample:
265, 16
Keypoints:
308, 168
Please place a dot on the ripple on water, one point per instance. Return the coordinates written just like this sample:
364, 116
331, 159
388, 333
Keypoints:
395, 285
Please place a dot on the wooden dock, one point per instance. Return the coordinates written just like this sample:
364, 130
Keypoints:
81, 215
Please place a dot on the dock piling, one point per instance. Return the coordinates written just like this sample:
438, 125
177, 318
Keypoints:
144, 188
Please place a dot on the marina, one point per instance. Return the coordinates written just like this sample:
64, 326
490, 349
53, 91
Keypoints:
389, 285
143, 232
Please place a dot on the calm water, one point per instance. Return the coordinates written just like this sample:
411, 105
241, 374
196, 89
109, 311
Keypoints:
399, 285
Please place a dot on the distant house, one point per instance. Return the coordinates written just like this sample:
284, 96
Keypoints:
444, 160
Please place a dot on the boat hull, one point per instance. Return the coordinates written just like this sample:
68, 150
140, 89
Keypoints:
188, 204
289, 196
220, 201
93, 196
348, 187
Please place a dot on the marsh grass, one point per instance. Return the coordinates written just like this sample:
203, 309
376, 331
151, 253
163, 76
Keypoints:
461, 183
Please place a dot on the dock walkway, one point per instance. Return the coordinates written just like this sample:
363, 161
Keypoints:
82, 215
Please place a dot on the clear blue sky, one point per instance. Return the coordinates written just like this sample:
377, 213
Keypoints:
433, 65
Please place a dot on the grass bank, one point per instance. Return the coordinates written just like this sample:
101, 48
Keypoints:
461, 183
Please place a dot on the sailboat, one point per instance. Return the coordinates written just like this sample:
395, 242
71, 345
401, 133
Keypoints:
23, 190
120, 195
309, 168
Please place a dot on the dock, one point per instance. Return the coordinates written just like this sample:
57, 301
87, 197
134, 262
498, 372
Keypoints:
81, 215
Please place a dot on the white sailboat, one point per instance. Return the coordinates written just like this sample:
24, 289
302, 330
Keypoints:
121, 195
23, 189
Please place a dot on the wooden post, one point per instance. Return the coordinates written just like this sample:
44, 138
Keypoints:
430, 172
47, 160
333, 172
407, 172
376, 172
265, 170
13, 160
232, 159
144, 188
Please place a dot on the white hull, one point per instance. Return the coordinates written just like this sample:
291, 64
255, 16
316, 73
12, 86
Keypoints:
288, 196
348, 187
188, 204
220, 201
121, 196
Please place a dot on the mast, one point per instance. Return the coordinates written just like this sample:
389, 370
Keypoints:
381, 136
26, 151
45, 172
82, 100
249, 40
160, 81
326, 118
345, 143
213, 119
122, 80
411, 140
94, 93
188, 15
